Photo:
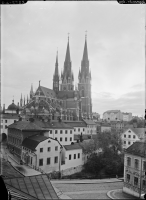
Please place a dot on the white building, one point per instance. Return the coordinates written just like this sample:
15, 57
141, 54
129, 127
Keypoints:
41, 153
59, 131
78, 126
6, 120
135, 169
91, 127
112, 115
71, 159
127, 116
131, 135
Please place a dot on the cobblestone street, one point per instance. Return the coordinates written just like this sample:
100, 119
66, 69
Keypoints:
88, 191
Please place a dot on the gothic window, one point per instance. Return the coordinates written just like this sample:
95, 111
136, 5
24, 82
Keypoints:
82, 93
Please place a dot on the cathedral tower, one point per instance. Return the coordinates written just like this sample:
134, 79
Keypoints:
56, 76
84, 85
67, 77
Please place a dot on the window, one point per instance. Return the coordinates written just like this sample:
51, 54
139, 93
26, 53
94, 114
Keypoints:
56, 148
124, 136
55, 131
129, 143
128, 178
124, 142
48, 161
74, 156
50, 131
70, 131
83, 129
56, 138
61, 139
143, 184
133, 136
70, 157
78, 155
41, 162
1, 126
136, 164
135, 181
74, 129
66, 131
5, 121
144, 165
60, 131
129, 136
71, 139
129, 131
5, 126
66, 139
78, 129
128, 161
56, 159
14, 121
31, 161
49, 148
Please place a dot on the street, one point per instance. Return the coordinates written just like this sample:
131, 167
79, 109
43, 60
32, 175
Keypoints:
87, 191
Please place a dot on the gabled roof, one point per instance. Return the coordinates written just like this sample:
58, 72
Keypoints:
89, 122
46, 91
77, 124
112, 111
138, 148
72, 147
33, 141
140, 132
37, 187
25, 125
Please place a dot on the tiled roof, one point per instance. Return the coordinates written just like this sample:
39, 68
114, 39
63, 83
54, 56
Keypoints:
25, 125
112, 111
48, 92
9, 116
77, 124
35, 187
72, 147
89, 121
33, 141
53, 125
138, 148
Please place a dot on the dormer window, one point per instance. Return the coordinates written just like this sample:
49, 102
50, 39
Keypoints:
129, 131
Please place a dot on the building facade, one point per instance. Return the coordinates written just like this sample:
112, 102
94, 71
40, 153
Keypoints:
64, 100
131, 135
135, 169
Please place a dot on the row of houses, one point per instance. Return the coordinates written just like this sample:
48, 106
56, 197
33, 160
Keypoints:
49, 146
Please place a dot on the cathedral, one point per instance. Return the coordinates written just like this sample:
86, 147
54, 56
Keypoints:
64, 101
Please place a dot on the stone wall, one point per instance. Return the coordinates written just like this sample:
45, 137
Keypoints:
71, 170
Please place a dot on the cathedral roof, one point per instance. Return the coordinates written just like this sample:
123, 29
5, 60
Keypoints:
46, 92
85, 53
67, 58
12, 106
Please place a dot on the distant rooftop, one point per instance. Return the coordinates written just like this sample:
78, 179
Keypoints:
72, 147
138, 148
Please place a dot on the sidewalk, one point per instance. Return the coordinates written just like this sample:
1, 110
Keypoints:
24, 169
87, 181
119, 194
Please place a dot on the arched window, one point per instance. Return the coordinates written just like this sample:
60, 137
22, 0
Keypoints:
82, 93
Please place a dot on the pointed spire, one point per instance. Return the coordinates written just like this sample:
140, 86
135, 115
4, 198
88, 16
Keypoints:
27, 99
56, 65
67, 58
85, 54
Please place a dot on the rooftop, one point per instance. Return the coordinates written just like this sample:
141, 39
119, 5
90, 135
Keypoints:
89, 121
33, 141
25, 125
72, 147
34, 187
138, 148
140, 132
76, 124
9, 116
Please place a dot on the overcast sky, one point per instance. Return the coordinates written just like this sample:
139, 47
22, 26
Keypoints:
31, 34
